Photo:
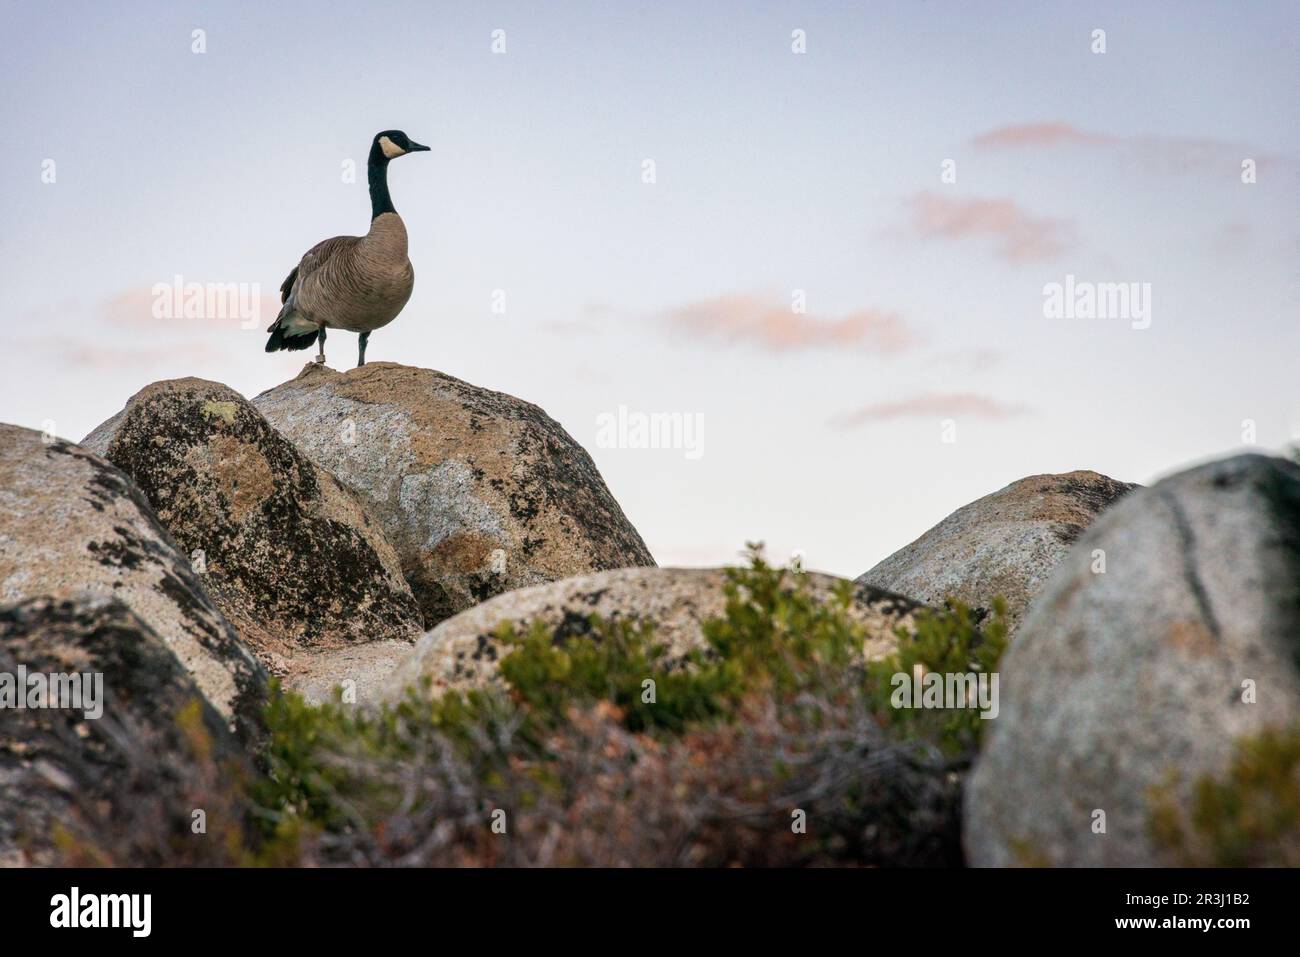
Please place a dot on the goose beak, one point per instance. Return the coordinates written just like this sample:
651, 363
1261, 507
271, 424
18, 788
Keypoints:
417, 148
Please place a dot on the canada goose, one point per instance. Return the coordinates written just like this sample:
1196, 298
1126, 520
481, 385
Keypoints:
357, 283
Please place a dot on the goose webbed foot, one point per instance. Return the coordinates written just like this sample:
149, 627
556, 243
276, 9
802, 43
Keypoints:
361, 348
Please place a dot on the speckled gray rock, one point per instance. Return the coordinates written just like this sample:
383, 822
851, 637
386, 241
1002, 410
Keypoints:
479, 492
1006, 543
58, 763
356, 674
290, 556
71, 522
1118, 680
462, 652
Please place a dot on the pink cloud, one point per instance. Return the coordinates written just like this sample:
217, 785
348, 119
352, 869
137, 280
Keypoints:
217, 305
89, 354
1179, 153
777, 328
1040, 134
133, 307
1019, 237
931, 405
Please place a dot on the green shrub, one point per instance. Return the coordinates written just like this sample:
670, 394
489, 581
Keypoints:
1249, 817
314, 752
776, 634
776, 712
950, 641
619, 662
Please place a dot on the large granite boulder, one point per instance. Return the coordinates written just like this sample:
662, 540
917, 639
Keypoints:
1006, 543
479, 492
1125, 687
462, 652
290, 556
114, 732
71, 522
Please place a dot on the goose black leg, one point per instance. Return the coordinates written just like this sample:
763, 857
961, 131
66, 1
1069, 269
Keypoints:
361, 348
320, 356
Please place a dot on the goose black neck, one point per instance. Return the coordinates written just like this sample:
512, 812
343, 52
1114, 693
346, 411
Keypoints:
380, 201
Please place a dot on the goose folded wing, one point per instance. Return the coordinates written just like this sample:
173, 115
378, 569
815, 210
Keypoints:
313, 259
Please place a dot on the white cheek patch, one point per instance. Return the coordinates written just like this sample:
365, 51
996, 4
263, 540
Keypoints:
390, 148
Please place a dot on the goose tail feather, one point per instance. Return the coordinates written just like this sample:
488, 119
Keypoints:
291, 330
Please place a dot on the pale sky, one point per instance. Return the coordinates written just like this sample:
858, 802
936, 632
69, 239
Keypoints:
774, 171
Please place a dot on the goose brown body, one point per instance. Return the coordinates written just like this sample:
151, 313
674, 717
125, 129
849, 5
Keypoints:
356, 283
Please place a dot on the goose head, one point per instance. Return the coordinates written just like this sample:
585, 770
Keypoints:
391, 144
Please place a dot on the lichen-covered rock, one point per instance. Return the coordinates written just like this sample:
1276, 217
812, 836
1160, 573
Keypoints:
71, 522
289, 555
1139, 680
1006, 543
462, 652
479, 492
102, 748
